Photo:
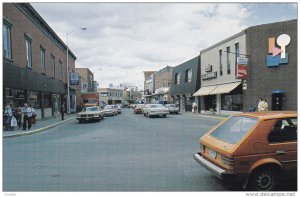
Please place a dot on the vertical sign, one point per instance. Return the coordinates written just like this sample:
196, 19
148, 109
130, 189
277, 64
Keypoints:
242, 68
74, 78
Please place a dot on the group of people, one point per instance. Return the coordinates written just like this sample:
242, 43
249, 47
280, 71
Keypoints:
13, 117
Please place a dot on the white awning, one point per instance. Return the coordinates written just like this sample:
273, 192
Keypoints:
225, 88
204, 91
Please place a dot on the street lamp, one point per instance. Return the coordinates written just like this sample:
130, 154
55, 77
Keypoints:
93, 84
68, 77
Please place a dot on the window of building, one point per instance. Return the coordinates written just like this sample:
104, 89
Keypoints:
232, 101
188, 75
284, 130
177, 78
228, 61
53, 65
237, 54
43, 62
60, 70
220, 62
6, 41
28, 52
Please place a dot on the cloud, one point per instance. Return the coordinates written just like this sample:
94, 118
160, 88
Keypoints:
124, 39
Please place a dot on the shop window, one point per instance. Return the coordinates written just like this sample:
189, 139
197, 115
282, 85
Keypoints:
34, 99
228, 60
284, 130
47, 100
43, 61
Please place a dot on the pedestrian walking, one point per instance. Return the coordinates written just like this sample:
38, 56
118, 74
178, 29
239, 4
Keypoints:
33, 116
18, 115
194, 107
26, 110
62, 111
8, 114
261, 105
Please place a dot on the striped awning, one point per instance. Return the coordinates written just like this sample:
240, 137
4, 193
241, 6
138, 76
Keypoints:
225, 88
204, 91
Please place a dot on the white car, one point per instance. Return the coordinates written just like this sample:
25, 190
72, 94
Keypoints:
90, 113
155, 110
110, 110
119, 107
173, 108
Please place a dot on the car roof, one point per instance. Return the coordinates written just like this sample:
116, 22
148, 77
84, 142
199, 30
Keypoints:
266, 115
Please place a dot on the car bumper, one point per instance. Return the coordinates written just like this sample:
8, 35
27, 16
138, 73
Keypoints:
110, 113
158, 113
217, 171
88, 118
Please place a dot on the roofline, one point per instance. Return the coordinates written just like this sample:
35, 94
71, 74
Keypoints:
42, 24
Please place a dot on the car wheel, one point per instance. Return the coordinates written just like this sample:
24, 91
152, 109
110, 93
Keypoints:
264, 179
144, 114
165, 115
80, 121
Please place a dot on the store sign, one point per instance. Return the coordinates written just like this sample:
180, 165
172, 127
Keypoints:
74, 78
278, 56
242, 67
209, 76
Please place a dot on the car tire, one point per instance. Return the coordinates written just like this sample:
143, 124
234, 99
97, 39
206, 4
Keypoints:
263, 179
80, 121
165, 115
144, 114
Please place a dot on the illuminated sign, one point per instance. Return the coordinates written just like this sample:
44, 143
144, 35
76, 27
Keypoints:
278, 56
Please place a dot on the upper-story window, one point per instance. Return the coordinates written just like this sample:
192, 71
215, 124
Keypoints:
188, 75
220, 62
228, 60
43, 61
7, 42
237, 52
53, 65
28, 52
177, 78
60, 70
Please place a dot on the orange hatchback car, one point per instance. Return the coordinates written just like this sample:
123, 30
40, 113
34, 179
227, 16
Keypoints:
256, 149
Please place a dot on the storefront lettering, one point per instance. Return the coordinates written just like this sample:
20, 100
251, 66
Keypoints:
209, 76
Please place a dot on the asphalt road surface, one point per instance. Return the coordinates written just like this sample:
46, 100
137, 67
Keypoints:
127, 152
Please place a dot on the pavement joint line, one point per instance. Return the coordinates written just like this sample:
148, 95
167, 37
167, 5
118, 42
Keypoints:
205, 116
37, 130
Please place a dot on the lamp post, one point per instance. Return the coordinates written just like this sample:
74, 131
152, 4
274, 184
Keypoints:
94, 79
68, 77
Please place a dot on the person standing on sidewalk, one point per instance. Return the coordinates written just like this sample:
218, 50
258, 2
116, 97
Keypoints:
27, 115
18, 115
62, 111
8, 113
260, 106
194, 107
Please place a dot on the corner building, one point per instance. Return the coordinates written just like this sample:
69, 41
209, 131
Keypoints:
272, 78
34, 61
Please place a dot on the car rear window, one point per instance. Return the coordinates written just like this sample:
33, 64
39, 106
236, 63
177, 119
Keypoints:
234, 129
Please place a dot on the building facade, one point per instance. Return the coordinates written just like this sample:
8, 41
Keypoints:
185, 82
110, 96
221, 90
34, 61
148, 85
272, 76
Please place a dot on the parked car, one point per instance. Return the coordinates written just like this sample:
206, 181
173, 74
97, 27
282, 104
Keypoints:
138, 109
90, 113
155, 110
110, 110
173, 108
119, 108
254, 148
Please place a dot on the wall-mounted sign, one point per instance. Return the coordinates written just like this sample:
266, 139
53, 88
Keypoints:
84, 87
208, 68
278, 56
209, 76
242, 67
74, 78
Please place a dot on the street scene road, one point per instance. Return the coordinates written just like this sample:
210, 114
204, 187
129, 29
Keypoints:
127, 152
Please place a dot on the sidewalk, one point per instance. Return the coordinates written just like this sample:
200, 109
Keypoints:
208, 115
41, 125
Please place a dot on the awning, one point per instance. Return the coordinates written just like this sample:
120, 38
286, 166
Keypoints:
204, 91
225, 88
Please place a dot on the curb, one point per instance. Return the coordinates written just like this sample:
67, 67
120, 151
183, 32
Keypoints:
37, 130
206, 116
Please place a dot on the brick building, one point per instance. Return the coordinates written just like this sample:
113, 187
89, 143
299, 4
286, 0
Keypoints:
34, 61
162, 85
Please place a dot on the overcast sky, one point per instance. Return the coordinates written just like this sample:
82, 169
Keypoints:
125, 39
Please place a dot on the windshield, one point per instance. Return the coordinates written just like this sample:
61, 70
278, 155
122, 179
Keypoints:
234, 129
108, 107
90, 101
156, 106
90, 109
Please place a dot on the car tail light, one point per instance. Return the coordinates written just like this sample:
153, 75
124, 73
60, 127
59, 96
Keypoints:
227, 160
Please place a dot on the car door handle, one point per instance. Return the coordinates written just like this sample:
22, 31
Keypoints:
280, 152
